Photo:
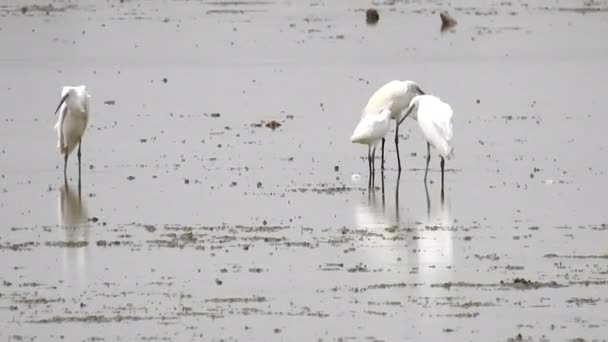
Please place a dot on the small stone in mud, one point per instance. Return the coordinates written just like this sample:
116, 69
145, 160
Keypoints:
478, 101
336, 168
165, 80
23, 9
215, 115
259, 185
109, 102
150, 228
94, 219
447, 22
186, 181
143, 140
264, 222
273, 124
218, 282
277, 330
91, 167
131, 178
371, 16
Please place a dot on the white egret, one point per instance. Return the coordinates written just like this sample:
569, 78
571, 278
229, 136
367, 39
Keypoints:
73, 118
370, 130
394, 96
435, 121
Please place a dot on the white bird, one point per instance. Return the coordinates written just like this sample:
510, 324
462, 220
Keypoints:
370, 130
435, 121
394, 96
73, 118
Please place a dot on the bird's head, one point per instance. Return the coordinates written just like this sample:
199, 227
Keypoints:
64, 98
414, 88
73, 99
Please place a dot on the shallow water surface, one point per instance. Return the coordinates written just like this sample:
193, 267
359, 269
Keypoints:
196, 221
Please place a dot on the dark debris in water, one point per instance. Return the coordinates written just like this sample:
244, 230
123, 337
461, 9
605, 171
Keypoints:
273, 125
372, 16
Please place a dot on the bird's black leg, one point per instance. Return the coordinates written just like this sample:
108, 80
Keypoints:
65, 166
374, 167
442, 167
382, 165
79, 157
369, 165
397, 147
428, 159
428, 201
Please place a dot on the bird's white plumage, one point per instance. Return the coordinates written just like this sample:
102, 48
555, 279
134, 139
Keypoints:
435, 122
394, 96
73, 118
372, 128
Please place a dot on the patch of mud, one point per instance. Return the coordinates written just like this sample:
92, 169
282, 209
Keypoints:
237, 300
552, 255
517, 283
67, 244
101, 319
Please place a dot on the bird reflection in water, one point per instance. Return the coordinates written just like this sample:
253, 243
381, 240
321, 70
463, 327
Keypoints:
435, 241
373, 214
72, 215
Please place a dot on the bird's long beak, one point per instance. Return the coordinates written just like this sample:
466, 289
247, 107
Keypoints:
61, 102
409, 111
420, 91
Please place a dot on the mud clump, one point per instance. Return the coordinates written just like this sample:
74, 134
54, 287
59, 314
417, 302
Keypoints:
447, 22
372, 16
273, 125
68, 244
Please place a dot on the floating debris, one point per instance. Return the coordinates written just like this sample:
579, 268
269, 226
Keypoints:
273, 125
371, 16
447, 22
109, 102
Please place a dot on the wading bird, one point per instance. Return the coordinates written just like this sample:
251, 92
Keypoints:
370, 130
394, 96
73, 118
435, 121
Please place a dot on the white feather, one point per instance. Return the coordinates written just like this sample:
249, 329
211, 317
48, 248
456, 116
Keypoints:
394, 96
73, 118
372, 128
435, 121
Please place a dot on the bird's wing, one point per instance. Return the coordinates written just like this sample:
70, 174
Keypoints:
59, 127
370, 127
443, 120
435, 121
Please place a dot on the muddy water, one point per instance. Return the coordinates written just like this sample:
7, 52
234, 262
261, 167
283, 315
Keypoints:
196, 221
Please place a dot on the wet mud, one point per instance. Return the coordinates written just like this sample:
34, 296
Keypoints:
221, 198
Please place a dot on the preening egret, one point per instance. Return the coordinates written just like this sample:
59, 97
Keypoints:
435, 121
370, 130
73, 118
394, 96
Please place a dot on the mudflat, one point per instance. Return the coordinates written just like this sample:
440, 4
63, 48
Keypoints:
221, 198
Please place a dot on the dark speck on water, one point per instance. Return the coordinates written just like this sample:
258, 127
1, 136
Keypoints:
371, 16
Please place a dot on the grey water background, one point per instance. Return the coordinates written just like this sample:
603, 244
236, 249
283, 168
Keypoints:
197, 226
